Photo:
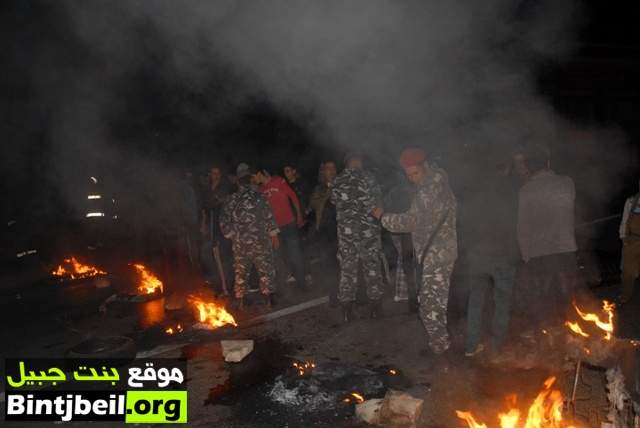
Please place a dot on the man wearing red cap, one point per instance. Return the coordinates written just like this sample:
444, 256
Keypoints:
431, 220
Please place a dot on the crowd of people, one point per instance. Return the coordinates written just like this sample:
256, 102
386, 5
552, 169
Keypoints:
253, 221
520, 231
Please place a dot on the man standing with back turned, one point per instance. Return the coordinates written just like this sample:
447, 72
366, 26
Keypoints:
431, 220
546, 236
354, 192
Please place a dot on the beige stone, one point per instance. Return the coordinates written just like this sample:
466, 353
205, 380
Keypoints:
369, 411
235, 351
400, 409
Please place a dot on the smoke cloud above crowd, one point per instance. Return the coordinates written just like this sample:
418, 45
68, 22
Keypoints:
371, 75
374, 74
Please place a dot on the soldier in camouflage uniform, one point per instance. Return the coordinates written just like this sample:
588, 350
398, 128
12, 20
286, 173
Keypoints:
431, 220
247, 220
354, 192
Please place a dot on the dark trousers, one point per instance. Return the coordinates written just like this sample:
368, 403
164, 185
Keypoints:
325, 242
497, 275
291, 250
552, 281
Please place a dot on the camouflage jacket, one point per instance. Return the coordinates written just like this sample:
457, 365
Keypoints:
246, 217
355, 193
432, 205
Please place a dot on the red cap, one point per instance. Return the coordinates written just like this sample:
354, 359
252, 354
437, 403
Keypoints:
412, 157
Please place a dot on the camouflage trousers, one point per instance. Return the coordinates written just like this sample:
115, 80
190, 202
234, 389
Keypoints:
433, 297
366, 251
244, 257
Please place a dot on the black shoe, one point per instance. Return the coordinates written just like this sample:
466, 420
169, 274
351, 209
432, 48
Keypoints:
376, 309
347, 312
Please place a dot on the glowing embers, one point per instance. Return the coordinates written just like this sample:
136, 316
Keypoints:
303, 367
604, 325
71, 268
174, 330
211, 314
544, 412
149, 283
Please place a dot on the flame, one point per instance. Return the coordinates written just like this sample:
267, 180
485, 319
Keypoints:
544, 412
76, 270
393, 372
602, 325
606, 326
468, 417
575, 327
212, 313
149, 283
171, 330
355, 395
359, 398
509, 419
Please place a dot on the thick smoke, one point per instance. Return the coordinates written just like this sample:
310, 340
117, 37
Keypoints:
366, 74
375, 74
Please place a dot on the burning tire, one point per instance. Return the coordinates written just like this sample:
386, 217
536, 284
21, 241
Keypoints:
104, 348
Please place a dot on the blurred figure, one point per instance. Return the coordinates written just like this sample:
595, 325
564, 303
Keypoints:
630, 236
546, 236
355, 192
431, 220
216, 252
188, 206
280, 197
324, 228
324, 216
297, 184
519, 167
247, 220
492, 254
181, 235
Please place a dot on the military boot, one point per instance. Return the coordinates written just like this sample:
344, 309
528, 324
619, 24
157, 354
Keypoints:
376, 309
347, 312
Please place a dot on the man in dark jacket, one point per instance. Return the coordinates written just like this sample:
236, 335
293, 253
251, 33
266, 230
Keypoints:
490, 216
546, 237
